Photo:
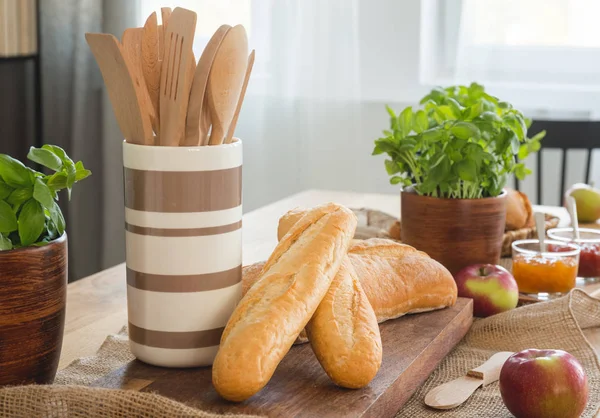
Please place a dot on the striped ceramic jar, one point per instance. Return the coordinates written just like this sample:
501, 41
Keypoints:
183, 219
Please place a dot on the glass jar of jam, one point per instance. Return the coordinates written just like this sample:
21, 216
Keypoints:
545, 274
589, 259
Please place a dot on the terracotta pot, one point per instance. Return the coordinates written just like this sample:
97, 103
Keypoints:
455, 232
33, 293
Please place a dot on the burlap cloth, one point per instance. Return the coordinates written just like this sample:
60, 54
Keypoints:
557, 324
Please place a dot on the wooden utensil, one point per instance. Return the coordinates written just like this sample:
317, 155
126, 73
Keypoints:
151, 65
176, 76
572, 208
454, 393
193, 133
132, 45
231, 130
540, 226
125, 98
165, 14
225, 81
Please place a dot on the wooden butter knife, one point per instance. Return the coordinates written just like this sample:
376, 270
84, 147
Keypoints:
454, 393
125, 98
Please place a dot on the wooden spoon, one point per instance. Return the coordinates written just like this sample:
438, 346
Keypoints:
226, 80
193, 135
125, 98
572, 208
231, 130
176, 75
151, 65
540, 225
454, 393
132, 45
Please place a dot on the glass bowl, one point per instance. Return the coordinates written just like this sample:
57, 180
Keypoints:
589, 259
548, 274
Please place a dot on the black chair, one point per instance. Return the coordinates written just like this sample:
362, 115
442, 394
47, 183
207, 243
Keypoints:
565, 135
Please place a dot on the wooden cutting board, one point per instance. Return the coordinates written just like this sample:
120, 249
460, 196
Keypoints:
412, 347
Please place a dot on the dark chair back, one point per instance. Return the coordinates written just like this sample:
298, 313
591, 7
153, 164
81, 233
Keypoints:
565, 135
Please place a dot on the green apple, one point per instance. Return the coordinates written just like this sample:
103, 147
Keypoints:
588, 202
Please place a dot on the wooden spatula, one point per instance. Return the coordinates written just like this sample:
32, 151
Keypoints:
151, 65
193, 135
236, 115
125, 98
454, 393
176, 75
225, 81
132, 45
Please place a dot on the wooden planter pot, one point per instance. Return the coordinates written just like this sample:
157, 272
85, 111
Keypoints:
455, 232
33, 293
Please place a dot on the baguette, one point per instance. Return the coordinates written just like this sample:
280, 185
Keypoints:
344, 333
272, 313
397, 279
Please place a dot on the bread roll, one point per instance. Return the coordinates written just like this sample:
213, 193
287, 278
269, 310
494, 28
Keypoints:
270, 316
344, 333
397, 278
519, 213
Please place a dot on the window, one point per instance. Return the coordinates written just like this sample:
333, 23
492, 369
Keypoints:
528, 45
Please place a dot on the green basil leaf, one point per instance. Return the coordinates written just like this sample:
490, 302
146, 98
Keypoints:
455, 108
59, 152
14, 173
432, 135
42, 194
392, 167
81, 172
390, 112
31, 222
57, 218
465, 130
405, 121
5, 190
18, 196
396, 180
515, 125
45, 157
5, 243
467, 170
421, 122
490, 117
57, 181
515, 144
8, 220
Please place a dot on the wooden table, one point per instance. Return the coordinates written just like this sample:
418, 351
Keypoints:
97, 307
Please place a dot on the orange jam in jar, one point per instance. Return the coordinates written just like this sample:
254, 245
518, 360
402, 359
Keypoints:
551, 271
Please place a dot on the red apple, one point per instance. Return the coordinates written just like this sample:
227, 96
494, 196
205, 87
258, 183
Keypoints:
543, 383
492, 288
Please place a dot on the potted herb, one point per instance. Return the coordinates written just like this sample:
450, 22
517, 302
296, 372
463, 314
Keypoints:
33, 264
453, 157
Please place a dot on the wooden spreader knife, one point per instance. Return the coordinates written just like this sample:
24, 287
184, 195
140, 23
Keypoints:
454, 393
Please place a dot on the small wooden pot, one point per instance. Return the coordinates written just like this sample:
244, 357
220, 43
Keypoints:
33, 294
455, 232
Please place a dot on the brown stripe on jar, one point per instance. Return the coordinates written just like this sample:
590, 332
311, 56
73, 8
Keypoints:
183, 232
184, 283
175, 340
183, 191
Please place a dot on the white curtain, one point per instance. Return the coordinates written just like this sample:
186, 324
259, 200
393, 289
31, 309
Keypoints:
301, 113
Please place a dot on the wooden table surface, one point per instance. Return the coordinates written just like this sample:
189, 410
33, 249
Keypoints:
97, 307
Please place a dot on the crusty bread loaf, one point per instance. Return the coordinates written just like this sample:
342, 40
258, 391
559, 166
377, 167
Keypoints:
270, 316
397, 278
519, 213
343, 332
